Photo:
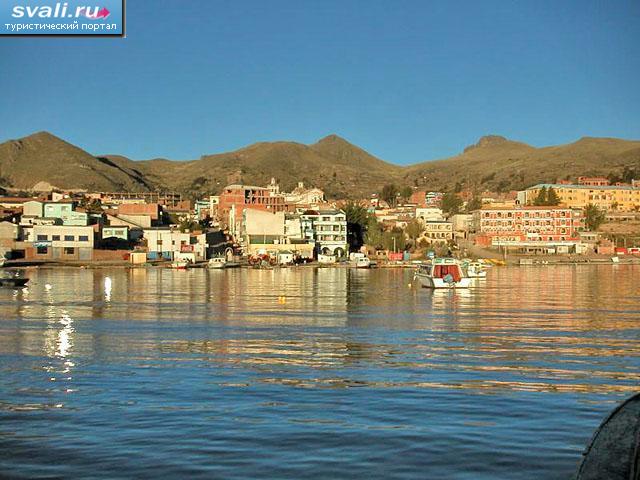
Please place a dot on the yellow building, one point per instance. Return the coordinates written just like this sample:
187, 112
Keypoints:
624, 198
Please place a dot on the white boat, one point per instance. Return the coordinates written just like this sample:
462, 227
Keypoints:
217, 262
475, 270
326, 259
180, 264
442, 273
359, 260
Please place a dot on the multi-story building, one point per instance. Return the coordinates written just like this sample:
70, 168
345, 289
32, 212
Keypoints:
462, 224
305, 197
239, 197
168, 244
438, 231
327, 229
58, 242
521, 227
606, 197
427, 214
64, 211
594, 181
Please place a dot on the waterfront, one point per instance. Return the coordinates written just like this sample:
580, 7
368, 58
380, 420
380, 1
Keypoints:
312, 372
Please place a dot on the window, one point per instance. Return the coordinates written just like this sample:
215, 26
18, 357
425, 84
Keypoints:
55, 238
42, 238
69, 238
69, 250
83, 238
42, 250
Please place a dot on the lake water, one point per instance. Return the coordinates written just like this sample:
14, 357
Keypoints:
312, 373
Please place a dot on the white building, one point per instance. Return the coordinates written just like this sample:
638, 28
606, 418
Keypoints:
428, 214
169, 244
328, 229
439, 231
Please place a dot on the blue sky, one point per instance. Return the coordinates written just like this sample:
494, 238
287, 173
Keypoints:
407, 80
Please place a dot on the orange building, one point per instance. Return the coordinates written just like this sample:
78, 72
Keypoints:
496, 226
247, 196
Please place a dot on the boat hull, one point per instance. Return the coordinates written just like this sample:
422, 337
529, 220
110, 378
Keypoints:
430, 282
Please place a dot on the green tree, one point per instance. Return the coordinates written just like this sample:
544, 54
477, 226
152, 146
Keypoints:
552, 197
593, 217
451, 203
357, 222
541, 199
389, 194
474, 204
405, 193
413, 230
394, 239
188, 223
374, 233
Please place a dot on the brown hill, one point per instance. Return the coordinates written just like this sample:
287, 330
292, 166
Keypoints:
43, 159
495, 163
334, 164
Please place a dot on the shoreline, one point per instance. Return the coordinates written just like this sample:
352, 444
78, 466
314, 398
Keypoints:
537, 261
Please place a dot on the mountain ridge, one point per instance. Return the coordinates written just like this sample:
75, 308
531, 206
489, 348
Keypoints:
342, 169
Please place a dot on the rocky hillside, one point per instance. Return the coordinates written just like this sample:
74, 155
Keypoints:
43, 161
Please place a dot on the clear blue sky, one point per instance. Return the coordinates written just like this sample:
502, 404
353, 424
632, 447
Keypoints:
406, 80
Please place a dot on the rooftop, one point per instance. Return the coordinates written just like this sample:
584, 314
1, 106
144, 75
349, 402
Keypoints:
587, 187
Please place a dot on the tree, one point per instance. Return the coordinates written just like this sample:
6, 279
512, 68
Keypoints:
357, 222
451, 203
474, 204
389, 194
188, 223
373, 235
405, 193
394, 239
413, 230
552, 197
593, 217
541, 199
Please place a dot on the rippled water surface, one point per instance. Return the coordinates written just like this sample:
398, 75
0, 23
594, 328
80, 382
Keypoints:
311, 373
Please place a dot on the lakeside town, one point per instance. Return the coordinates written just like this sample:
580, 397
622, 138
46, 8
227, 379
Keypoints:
587, 219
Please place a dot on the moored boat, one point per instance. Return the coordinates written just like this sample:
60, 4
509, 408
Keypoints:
442, 273
217, 262
359, 260
180, 264
475, 270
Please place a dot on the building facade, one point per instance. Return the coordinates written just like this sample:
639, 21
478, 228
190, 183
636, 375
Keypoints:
606, 197
523, 226
58, 242
327, 229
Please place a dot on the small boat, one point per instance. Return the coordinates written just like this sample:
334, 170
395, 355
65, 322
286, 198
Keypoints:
326, 259
359, 260
13, 282
180, 264
442, 273
614, 450
217, 262
475, 270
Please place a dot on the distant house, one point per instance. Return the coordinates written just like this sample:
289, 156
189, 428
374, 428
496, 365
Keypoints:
59, 242
63, 211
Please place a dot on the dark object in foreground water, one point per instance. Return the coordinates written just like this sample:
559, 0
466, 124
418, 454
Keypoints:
614, 450
13, 282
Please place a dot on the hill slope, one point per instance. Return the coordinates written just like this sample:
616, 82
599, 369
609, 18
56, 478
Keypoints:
332, 163
496, 163
45, 158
